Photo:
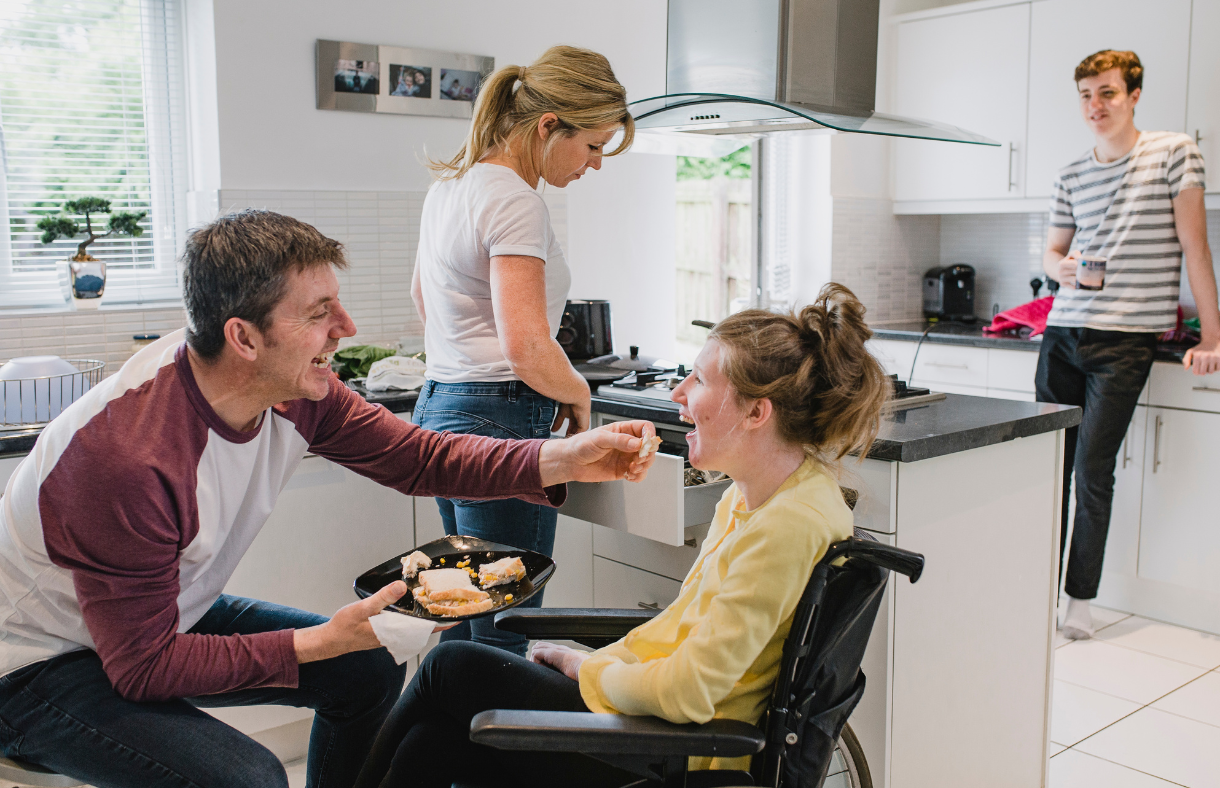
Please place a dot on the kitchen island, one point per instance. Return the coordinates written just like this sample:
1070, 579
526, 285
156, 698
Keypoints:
960, 665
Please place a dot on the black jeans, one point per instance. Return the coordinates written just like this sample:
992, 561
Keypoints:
425, 742
1103, 372
63, 713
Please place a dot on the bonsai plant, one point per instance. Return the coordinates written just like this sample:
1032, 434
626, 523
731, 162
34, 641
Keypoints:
86, 276
121, 223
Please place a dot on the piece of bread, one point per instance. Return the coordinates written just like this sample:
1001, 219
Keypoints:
413, 563
649, 445
449, 592
497, 573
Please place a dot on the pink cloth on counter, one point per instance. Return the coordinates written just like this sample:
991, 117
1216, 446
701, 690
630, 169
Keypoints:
1032, 315
121, 528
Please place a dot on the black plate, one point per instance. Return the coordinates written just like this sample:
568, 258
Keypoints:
538, 570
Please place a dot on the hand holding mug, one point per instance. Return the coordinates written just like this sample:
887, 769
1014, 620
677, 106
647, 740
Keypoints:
1067, 269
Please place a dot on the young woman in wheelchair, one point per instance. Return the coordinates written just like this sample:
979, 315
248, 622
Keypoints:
776, 401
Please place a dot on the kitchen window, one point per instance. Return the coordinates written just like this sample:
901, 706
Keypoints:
92, 102
715, 242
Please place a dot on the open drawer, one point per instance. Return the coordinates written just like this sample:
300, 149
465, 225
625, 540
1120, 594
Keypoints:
657, 508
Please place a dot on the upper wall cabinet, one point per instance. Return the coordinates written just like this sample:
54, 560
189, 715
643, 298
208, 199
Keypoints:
1064, 32
970, 70
1203, 99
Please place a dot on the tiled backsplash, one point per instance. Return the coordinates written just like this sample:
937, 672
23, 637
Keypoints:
882, 257
380, 231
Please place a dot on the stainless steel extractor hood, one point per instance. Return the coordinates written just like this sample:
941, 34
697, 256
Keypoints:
763, 66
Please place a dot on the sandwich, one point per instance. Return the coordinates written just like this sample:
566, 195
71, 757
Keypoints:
449, 592
497, 573
649, 445
413, 563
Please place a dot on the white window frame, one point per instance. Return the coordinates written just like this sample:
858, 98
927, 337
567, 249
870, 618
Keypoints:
163, 83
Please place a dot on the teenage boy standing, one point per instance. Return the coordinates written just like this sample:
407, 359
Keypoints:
1136, 199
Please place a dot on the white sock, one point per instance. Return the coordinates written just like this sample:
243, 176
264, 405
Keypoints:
1078, 623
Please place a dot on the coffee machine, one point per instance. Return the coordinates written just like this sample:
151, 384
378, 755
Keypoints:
948, 293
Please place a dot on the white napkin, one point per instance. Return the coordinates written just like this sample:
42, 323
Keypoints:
403, 636
396, 372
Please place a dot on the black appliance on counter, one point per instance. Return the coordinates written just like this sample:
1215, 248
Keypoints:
948, 293
584, 330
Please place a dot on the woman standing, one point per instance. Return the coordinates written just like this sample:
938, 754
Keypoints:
491, 281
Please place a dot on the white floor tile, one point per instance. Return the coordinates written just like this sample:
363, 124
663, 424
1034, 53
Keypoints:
1164, 640
1198, 700
296, 773
1155, 742
1078, 713
1055, 749
1074, 769
1104, 617
1121, 672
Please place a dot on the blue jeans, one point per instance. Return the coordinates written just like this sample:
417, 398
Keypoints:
64, 714
497, 410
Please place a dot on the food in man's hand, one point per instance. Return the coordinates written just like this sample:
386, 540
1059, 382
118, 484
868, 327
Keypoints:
497, 573
449, 592
649, 445
413, 563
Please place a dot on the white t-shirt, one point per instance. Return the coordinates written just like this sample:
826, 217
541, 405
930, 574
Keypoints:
488, 212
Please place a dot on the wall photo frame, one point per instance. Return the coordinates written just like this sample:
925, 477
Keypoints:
398, 80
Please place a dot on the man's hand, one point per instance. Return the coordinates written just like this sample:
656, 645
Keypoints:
1203, 358
561, 658
601, 455
349, 630
1067, 269
577, 416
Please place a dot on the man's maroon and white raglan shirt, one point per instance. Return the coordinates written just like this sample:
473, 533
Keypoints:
121, 528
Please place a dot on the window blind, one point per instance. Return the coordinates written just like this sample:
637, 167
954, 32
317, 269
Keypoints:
92, 103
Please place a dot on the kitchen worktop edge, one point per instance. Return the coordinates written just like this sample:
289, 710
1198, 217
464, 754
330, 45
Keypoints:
973, 336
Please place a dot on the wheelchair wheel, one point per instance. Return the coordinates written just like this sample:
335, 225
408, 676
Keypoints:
848, 769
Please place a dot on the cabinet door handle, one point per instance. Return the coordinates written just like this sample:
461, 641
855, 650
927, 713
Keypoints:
650, 605
1156, 445
1012, 182
1198, 137
946, 366
1126, 455
1205, 388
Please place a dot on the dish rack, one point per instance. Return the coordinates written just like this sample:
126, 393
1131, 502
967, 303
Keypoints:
34, 401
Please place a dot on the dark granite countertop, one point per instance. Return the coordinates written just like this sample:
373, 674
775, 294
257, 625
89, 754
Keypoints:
21, 441
973, 336
957, 423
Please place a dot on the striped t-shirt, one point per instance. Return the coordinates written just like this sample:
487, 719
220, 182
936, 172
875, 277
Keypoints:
1123, 211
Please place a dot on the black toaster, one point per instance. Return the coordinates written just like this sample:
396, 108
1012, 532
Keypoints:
948, 293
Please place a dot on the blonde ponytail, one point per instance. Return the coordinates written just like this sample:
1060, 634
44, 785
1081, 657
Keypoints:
577, 85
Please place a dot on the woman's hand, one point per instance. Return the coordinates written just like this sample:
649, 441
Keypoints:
561, 658
601, 455
577, 416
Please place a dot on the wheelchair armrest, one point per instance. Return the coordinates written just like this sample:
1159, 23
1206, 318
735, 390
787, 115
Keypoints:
617, 734
572, 623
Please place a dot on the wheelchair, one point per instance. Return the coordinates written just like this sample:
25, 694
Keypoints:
802, 740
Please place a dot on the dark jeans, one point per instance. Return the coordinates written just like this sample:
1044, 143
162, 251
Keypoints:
497, 410
1103, 372
64, 714
426, 739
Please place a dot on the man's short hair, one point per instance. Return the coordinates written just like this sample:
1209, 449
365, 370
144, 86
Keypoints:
237, 266
1100, 62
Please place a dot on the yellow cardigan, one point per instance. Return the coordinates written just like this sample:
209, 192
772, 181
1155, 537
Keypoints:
715, 652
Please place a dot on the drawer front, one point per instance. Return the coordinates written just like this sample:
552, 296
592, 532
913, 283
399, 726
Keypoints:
894, 354
1021, 396
1012, 370
952, 364
1171, 386
877, 483
620, 586
652, 556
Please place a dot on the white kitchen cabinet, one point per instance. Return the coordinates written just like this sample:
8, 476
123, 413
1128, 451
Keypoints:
618, 585
1122, 544
1180, 524
7, 466
1064, 32
948, 368
1202, 107
970, 70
